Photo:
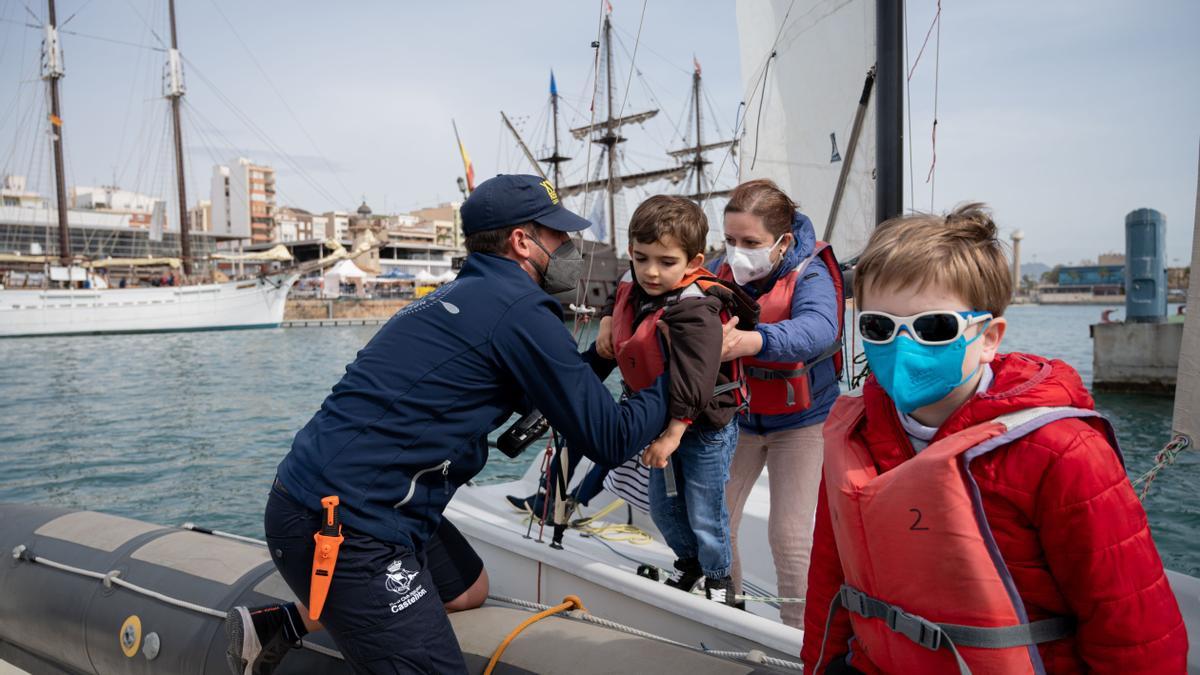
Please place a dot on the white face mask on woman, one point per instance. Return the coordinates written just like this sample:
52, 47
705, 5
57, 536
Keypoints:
750, 264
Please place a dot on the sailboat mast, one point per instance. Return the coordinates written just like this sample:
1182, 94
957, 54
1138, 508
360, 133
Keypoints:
699, 161
554, 109
52, 71
610, 138
889, 116
175, 93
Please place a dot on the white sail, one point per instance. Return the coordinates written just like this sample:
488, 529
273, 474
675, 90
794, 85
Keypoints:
811, 89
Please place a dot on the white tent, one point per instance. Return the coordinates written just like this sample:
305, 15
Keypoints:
344, 271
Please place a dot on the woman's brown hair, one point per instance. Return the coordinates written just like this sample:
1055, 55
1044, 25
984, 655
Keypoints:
763, 198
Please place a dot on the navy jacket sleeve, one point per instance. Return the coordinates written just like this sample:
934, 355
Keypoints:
532, 344
601, 366
813, 327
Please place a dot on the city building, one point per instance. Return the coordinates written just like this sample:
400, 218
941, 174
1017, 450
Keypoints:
295, 224
13, 192
243, 201
1085, 284
446, 222
337, 225
112, 199
200, 216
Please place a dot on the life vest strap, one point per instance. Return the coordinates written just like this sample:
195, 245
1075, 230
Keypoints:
934, 636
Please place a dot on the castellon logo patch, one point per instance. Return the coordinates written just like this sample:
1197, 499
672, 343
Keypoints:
550, 191
400, 582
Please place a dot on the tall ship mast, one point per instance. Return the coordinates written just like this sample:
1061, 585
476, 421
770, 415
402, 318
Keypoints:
71, 295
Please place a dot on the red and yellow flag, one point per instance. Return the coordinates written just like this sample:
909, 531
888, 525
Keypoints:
470, 169
56, 120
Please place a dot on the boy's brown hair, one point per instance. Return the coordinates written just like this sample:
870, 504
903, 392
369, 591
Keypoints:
667, 215
960, 251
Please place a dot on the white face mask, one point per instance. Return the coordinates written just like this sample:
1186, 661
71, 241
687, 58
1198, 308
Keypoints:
750, 264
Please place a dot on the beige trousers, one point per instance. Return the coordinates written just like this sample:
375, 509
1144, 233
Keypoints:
793, 459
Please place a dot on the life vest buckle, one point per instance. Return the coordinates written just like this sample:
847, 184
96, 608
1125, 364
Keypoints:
921, 631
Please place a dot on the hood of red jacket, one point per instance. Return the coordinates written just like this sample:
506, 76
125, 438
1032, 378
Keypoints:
1019, 382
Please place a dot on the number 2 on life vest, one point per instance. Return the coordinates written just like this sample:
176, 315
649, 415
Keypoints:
916, 526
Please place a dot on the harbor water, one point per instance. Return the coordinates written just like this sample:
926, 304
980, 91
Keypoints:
190, 426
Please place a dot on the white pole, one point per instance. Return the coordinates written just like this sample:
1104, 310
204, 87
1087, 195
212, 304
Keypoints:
1187, 388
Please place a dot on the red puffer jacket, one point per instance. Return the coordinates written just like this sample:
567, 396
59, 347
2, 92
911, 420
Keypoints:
1065, 518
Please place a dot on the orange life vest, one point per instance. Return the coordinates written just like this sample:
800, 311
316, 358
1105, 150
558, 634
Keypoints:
926, 586
782, 387
639, 352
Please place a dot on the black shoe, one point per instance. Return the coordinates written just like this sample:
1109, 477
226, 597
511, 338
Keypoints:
257, 642
532, 504
687, 573
721, 590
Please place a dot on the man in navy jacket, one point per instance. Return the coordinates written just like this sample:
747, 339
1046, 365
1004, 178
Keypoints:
408, 424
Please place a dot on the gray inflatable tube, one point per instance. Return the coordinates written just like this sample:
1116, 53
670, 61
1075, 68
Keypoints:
86, 592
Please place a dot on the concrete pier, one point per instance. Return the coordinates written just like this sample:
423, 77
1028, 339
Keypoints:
1136, 357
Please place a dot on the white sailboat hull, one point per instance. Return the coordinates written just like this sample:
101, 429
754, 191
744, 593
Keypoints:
233, 304
604, 578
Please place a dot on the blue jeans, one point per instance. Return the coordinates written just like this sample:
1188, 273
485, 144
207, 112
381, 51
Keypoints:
695, 522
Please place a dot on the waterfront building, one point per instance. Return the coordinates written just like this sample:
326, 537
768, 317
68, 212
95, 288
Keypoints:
337, 226
243, 200
1084, 284
295, 224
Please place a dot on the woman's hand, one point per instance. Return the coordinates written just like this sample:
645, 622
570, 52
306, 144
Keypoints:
738, 343
604, 344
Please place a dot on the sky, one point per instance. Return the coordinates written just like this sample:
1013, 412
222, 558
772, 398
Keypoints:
1063, 116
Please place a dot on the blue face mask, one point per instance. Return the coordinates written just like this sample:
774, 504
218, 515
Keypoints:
916, 375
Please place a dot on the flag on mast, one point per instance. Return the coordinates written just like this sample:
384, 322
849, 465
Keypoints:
553, 85
467, 166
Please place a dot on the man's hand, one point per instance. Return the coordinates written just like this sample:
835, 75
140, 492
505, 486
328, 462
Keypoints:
604, 343
657, 453
738, 343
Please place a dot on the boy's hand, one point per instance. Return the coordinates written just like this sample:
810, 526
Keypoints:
604, 344
657, 453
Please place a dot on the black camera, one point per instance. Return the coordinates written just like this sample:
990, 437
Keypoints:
523, 433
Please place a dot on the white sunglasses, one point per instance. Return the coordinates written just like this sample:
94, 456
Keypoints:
936, 327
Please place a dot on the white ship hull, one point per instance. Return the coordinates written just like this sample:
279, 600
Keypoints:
233, 304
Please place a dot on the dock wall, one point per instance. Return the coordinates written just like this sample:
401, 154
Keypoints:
1136, 357
341, 308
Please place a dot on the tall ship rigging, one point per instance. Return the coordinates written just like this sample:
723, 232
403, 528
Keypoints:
68, 296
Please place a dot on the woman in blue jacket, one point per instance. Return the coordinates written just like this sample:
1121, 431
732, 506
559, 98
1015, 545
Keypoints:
792, 363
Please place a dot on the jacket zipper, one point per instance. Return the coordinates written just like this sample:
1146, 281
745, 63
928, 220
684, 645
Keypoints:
444, 467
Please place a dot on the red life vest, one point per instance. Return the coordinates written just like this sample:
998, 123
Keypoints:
925, 584
782, 387
638, 351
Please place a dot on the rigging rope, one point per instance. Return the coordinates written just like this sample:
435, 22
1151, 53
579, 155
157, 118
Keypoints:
570, 602
1165, 457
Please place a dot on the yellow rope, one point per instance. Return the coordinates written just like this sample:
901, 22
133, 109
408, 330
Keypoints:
570, 602
612, 531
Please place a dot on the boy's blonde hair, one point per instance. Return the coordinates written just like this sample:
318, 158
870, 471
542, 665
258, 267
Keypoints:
959, 251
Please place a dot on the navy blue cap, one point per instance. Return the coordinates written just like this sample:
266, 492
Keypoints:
507, 200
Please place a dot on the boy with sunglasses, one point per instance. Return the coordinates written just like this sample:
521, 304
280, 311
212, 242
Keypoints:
975, 513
